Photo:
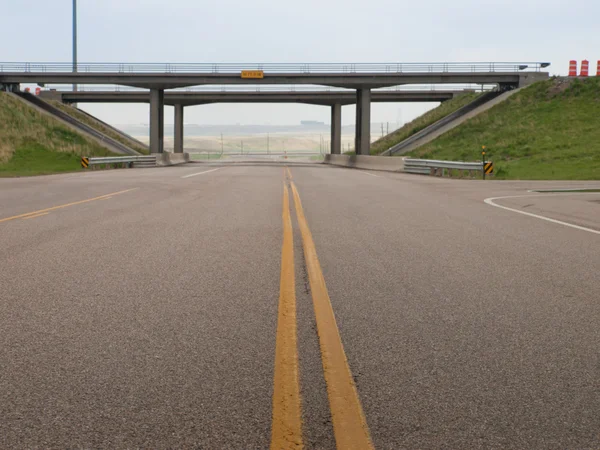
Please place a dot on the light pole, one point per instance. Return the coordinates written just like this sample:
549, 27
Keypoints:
74, 40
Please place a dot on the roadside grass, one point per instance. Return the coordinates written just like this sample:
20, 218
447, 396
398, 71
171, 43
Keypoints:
32, 143
548, 131
34, 159
421, 122
82, 117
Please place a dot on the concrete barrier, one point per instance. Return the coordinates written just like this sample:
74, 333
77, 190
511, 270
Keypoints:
386, 163
170, 159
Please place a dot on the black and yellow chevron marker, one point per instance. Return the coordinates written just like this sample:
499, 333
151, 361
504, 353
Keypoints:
488, 168
85, 162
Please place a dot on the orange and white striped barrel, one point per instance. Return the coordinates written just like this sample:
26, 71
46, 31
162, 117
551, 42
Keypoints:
585, 68
573, 68
38, 90
598, 70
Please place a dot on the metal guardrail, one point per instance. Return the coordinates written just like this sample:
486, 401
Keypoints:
270, 68
127, 160
431, 166
115, 145
404, 145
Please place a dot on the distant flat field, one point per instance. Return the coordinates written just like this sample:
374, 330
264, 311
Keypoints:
275, 142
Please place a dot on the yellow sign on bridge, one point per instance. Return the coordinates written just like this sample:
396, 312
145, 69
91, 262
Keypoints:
258, 74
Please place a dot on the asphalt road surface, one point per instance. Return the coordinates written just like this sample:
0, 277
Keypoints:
193, 307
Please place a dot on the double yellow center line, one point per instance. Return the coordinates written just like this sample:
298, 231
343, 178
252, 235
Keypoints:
349, 423
286, 430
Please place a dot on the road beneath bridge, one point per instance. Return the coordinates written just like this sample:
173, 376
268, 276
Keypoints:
140, 309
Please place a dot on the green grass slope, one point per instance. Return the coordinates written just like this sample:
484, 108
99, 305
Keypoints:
547, 131
423, 121
82, 117
32, 143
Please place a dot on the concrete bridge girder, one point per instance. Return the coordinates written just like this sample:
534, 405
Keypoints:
351, 81
188, 98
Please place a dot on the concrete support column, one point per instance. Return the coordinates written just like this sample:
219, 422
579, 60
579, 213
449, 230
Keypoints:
157, 120
357, 126
363, 122
178, 128
336, 129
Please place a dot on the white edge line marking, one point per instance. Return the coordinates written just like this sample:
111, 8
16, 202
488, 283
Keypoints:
200, 173
581, 190
490, 201
369, 173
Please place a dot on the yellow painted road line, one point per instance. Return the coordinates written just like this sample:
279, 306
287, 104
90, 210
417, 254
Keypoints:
286, 429
37, 215
20, 216
289, 173
349, 422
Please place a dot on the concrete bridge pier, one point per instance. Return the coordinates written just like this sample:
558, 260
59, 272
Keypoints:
363, 122
157, 120
179, 128
336, 129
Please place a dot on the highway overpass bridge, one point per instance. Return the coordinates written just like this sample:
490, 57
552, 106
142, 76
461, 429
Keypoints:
179, 99
362, 78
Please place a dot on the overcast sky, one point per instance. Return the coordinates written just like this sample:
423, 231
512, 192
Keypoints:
200, 31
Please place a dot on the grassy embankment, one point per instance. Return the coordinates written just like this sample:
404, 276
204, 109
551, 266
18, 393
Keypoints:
82, 117
32, 143
423, 121
548, 131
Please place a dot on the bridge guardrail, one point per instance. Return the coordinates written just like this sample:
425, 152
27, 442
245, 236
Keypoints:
458, 88
127, 161
437, 167
316, 68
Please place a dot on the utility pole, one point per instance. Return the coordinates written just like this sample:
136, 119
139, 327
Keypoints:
74, 40
381, 129
268, 150
221, 143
